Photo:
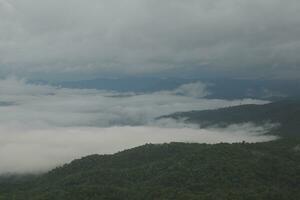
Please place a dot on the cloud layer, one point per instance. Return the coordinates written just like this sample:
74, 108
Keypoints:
31, 151
43, 126
77, 38
50, 106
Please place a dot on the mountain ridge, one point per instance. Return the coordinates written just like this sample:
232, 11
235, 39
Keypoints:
286, 113
172, 171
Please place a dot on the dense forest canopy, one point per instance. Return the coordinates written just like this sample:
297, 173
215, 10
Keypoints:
171, 171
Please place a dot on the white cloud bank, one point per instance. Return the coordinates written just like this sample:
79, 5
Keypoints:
50, 106
43, 126
30, 151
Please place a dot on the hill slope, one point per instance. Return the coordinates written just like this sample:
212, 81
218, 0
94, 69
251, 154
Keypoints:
172, 171
286, 113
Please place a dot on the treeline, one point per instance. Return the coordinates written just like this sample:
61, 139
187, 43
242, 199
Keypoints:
260, 171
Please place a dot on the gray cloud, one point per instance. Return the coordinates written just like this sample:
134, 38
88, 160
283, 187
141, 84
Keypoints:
85, 38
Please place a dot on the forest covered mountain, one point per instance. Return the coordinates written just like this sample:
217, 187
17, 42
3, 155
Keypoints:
286, 114
258, 171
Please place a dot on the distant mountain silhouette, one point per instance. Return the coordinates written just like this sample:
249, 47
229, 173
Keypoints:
286, 113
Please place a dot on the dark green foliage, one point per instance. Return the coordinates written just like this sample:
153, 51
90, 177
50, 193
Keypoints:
286, 113
172, 171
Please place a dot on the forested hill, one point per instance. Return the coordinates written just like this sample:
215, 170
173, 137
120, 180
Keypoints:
172, 171
286, 113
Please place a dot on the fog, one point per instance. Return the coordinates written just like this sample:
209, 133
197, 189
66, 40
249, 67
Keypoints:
37, 105
43, 126
30, 151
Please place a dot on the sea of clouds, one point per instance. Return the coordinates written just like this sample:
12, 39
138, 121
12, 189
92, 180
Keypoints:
42, 126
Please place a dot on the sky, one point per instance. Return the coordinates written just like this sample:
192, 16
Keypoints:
75, 39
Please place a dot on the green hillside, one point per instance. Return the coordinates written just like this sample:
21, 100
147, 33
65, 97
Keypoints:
171, 171
286, 113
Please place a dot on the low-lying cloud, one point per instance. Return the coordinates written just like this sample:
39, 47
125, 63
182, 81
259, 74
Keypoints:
43, 126
29, 151
51, 106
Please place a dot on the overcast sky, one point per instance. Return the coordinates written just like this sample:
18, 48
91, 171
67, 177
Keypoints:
75, 38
